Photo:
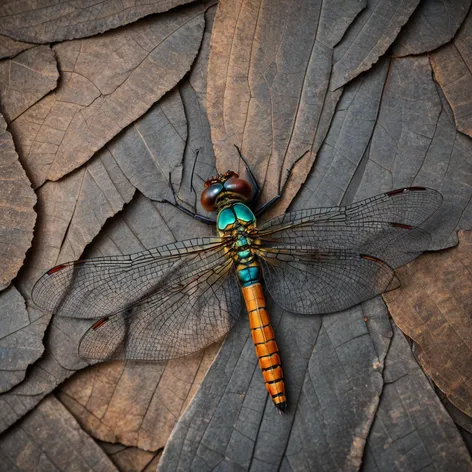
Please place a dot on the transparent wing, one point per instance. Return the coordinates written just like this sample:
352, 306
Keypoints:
385, 226
190, 312
328, 259
92, 288
325, 281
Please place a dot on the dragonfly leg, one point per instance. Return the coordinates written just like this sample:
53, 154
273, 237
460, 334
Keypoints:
280, 191
193, 214
252, 178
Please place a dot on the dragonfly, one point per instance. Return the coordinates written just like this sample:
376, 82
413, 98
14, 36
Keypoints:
176, 299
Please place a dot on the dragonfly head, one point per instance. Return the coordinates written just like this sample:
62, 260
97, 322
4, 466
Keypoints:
227, 186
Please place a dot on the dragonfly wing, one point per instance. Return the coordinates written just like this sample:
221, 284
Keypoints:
323, 281
92, 288
385, 226
328, 259
190, 312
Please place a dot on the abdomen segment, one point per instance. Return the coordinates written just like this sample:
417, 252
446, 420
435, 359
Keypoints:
264, 341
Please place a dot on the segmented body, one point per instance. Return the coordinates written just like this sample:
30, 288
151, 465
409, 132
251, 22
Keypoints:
236, 221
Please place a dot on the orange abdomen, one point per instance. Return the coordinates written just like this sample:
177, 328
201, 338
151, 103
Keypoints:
264, 342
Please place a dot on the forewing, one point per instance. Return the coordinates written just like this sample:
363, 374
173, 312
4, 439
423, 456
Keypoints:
385, 226
324, 281
92, 288
186, 315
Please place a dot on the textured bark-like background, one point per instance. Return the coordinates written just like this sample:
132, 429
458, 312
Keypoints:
102, 101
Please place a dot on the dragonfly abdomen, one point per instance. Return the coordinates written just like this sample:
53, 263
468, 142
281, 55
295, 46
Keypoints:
264, 341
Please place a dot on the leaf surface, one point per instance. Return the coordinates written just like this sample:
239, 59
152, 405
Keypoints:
452, 70
370, 35
69, 19
434, 23
268, 86
26, 79
50, 439
433, 308
107, 82
17, 215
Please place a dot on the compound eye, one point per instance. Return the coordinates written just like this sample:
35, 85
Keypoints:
209, 196
240, 187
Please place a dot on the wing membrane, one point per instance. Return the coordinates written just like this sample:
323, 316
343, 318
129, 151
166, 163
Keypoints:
92, 288
328, 259
323, 281
385, 226
187, 314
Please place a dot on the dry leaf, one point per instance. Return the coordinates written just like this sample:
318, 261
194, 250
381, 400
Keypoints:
152, 148
107, 82
50, 439
231, 419
26, 79
71, 212
452, 70
434, 23
268, 77
393, 130
20, 337
131, 459
136, 404
371, 34
412, 431
9, 47
17, 216
69, 19
433, 308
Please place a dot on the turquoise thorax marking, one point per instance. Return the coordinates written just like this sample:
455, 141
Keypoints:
248, 275
237, 211
238, 217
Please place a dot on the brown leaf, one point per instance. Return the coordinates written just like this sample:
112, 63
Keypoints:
107, 82
152, 148
20, 337
71, 212
268, 78
136, 404
131, 459
393, 128
452, 70
433, 307
411, 429
50, 439
26, 79
370, 35
17, 216
9, 47
69, 19
198, 169
434, 23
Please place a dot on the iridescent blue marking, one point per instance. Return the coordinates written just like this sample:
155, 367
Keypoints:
249, 275
244, 254
242, 241
226, 217
244, 213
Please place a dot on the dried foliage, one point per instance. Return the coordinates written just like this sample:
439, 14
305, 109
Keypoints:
433, 308
107, 83
68, 19
378, 94
452, 69
17, 216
